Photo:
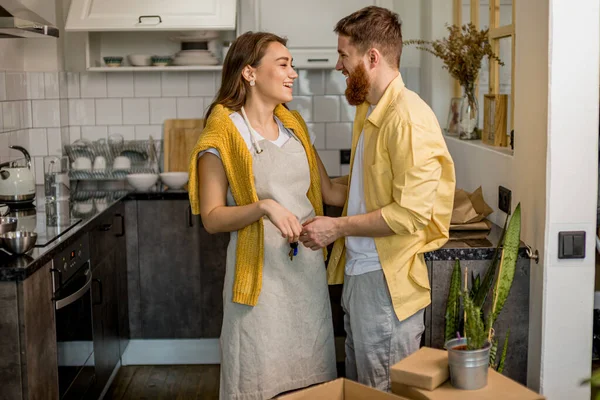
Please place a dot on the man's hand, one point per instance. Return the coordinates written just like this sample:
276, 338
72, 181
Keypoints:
318, 232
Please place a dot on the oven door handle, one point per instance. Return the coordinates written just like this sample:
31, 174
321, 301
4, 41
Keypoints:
75, 296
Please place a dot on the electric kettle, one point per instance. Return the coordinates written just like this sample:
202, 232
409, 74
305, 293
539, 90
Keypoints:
17, 183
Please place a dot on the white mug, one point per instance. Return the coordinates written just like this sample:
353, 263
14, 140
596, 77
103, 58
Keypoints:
121, 162
82, 163
100, 163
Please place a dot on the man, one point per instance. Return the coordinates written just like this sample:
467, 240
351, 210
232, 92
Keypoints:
398, 206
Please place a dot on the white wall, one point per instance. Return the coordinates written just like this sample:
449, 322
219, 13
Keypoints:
572, 162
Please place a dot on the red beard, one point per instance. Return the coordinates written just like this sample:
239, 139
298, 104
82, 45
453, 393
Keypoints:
358, 86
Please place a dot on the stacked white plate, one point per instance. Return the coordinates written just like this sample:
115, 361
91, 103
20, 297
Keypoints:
195, 57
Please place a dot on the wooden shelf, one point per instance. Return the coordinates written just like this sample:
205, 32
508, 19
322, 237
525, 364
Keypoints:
158, 69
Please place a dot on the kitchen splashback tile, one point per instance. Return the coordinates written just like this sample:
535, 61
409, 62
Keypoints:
11, 114
143, 132
82, 112
347, 111
146, 84
190, 107
331, 161
54, 141
74, 133
26, 114
302, 104
120, 85
174, 84
46, 113
37, 165
52, 85
128, 132
18, 138
38, 142
93, 85
338, 136
201, 83
64, 112
162, 109
335, 82
136, 111
326, 108
16, 86
109, 112
4, 146
311, 82
2, 87
94, 133
317, 129
73, 87
35, 85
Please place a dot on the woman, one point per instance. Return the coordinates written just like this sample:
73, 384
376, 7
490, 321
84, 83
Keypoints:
259, 177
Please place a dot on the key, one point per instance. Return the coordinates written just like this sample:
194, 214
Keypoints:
293, 250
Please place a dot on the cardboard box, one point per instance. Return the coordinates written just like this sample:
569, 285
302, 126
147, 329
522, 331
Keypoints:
426, 369
340, 389
498, 387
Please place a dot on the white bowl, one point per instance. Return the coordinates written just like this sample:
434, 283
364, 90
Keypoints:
142, 182
174, 180
140, 60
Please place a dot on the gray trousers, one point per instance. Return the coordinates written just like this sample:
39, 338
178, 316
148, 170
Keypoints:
375, 338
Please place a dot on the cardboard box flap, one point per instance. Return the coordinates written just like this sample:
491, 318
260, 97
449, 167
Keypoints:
498, 387
426, 369
340, 389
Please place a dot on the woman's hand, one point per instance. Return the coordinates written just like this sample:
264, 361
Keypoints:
283, 219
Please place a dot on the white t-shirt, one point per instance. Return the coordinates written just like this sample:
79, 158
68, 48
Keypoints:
237, 119
361, 253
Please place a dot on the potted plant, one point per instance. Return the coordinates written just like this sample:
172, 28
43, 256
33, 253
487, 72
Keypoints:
470, 357
462, 52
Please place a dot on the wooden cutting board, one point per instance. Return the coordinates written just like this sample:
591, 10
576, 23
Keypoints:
180, 137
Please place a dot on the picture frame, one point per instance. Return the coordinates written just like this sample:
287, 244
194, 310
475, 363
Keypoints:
495, 108
453, 122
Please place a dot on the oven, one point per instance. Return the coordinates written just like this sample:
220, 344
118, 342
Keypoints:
72, 278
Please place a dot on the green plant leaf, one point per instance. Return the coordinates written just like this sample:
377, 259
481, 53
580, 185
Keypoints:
493, 352
490, 274
474, 326
475, 284
453, 304
508, 262
504, 351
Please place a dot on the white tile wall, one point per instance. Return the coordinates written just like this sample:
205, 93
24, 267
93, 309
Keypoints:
136, 111
44, 111
120, 85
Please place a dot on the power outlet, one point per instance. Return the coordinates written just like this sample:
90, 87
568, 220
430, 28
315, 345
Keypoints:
345, 156
504, 198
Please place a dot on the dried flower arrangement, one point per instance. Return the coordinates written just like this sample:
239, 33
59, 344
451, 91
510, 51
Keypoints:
462, 53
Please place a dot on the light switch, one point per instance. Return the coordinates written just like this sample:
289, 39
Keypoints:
571, 244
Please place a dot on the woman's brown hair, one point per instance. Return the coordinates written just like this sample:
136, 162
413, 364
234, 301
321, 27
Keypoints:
248, 49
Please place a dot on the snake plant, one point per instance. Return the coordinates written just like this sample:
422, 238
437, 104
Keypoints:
499, 276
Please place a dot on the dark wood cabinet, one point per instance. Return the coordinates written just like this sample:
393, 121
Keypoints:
214, 255
28, 338
105, 319
169, 258
109, 293
176, 272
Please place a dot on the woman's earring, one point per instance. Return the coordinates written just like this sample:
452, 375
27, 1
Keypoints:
252, 82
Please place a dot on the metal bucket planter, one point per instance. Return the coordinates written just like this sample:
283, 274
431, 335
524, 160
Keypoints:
468, 368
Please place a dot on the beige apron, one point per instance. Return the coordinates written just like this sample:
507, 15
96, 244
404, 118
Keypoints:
286, 341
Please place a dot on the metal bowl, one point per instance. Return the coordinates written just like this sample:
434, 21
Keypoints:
18, 242
8, 224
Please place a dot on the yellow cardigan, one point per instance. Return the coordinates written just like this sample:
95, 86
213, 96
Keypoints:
220, 133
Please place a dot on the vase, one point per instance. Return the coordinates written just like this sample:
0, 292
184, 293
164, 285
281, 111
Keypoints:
468, 368
469, 115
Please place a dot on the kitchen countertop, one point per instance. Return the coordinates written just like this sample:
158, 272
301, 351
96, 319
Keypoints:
18, 268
